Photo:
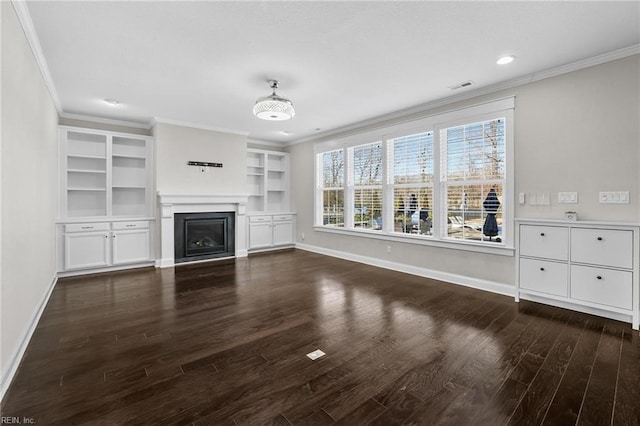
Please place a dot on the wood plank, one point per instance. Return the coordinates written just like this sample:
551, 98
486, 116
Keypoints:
566, 404
627, 406
224, 343
599, 398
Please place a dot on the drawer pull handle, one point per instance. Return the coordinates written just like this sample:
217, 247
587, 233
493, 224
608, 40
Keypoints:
542, 269
542, 234
599, 277
131, 226
599, 238
87, 227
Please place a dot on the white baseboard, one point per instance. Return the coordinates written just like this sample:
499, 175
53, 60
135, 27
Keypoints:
577, 307
494, 287
14, 362
77, 272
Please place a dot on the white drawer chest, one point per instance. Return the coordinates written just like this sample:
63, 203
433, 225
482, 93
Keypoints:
590, 267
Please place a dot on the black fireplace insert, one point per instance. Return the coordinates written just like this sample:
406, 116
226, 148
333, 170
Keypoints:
199, 236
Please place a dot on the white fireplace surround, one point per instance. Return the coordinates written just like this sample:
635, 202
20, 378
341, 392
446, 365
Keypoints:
170, 204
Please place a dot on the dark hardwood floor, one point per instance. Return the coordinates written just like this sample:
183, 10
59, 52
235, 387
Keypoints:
224, 343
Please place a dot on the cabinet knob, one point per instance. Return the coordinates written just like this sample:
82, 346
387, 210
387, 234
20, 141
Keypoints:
106, 236
599, 238
599, 277
542, 269
114, 235
542, 234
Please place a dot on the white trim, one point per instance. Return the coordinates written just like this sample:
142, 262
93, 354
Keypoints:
418, 124
464, 245
102, 120
170, 204
145, 264
22, 11
410, 114
576, 307
493, 287
434, 123
168, 198
266, 143
192, 125
14, 363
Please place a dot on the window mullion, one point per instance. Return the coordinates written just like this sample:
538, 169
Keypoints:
439, 203
387, 187
348, 191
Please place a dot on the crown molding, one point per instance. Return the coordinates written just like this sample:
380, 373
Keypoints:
410, 114
102, 120
22, 11
161, 120
266, 143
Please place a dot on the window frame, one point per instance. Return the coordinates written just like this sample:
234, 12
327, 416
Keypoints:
501, 108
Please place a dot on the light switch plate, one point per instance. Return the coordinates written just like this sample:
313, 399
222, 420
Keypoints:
567, 197
614, 197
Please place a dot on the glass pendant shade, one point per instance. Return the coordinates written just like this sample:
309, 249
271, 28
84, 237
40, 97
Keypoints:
274, 107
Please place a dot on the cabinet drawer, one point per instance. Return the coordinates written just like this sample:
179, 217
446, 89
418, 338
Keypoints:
550, 242
544, 276
282, 217
603, 286
606, 247
138, 224
86, 227
259, 218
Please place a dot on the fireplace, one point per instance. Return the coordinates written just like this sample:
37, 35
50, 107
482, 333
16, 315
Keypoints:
200, 236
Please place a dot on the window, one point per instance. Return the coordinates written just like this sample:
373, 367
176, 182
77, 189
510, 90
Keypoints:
442, 180
366, 180
411, 162
332, 178
473, 167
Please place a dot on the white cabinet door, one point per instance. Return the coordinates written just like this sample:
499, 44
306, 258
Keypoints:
605, 247
86, 250
260, 235
603, 286
282, 233
544, 276
548, 242
130, 246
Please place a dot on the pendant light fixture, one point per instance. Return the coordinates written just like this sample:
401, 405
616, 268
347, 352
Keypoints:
274, 107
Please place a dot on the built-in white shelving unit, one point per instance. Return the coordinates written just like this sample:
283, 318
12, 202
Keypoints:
106, 199
271, 224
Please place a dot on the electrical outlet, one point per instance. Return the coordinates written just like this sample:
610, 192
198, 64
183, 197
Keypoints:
315, 354
388, 249
302, 235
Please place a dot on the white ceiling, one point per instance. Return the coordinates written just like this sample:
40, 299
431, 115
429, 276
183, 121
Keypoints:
339, 62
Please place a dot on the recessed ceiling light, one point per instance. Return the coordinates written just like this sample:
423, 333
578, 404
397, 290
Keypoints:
112, 102
503, 60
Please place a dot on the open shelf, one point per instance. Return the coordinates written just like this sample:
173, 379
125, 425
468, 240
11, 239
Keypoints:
104, 174
267, 180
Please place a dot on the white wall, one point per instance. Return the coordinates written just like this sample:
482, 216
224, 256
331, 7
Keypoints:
175, 145
574, 132
28, 191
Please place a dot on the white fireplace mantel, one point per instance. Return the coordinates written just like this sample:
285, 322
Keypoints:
199, 203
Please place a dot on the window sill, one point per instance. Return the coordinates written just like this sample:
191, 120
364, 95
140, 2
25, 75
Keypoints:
498, 249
